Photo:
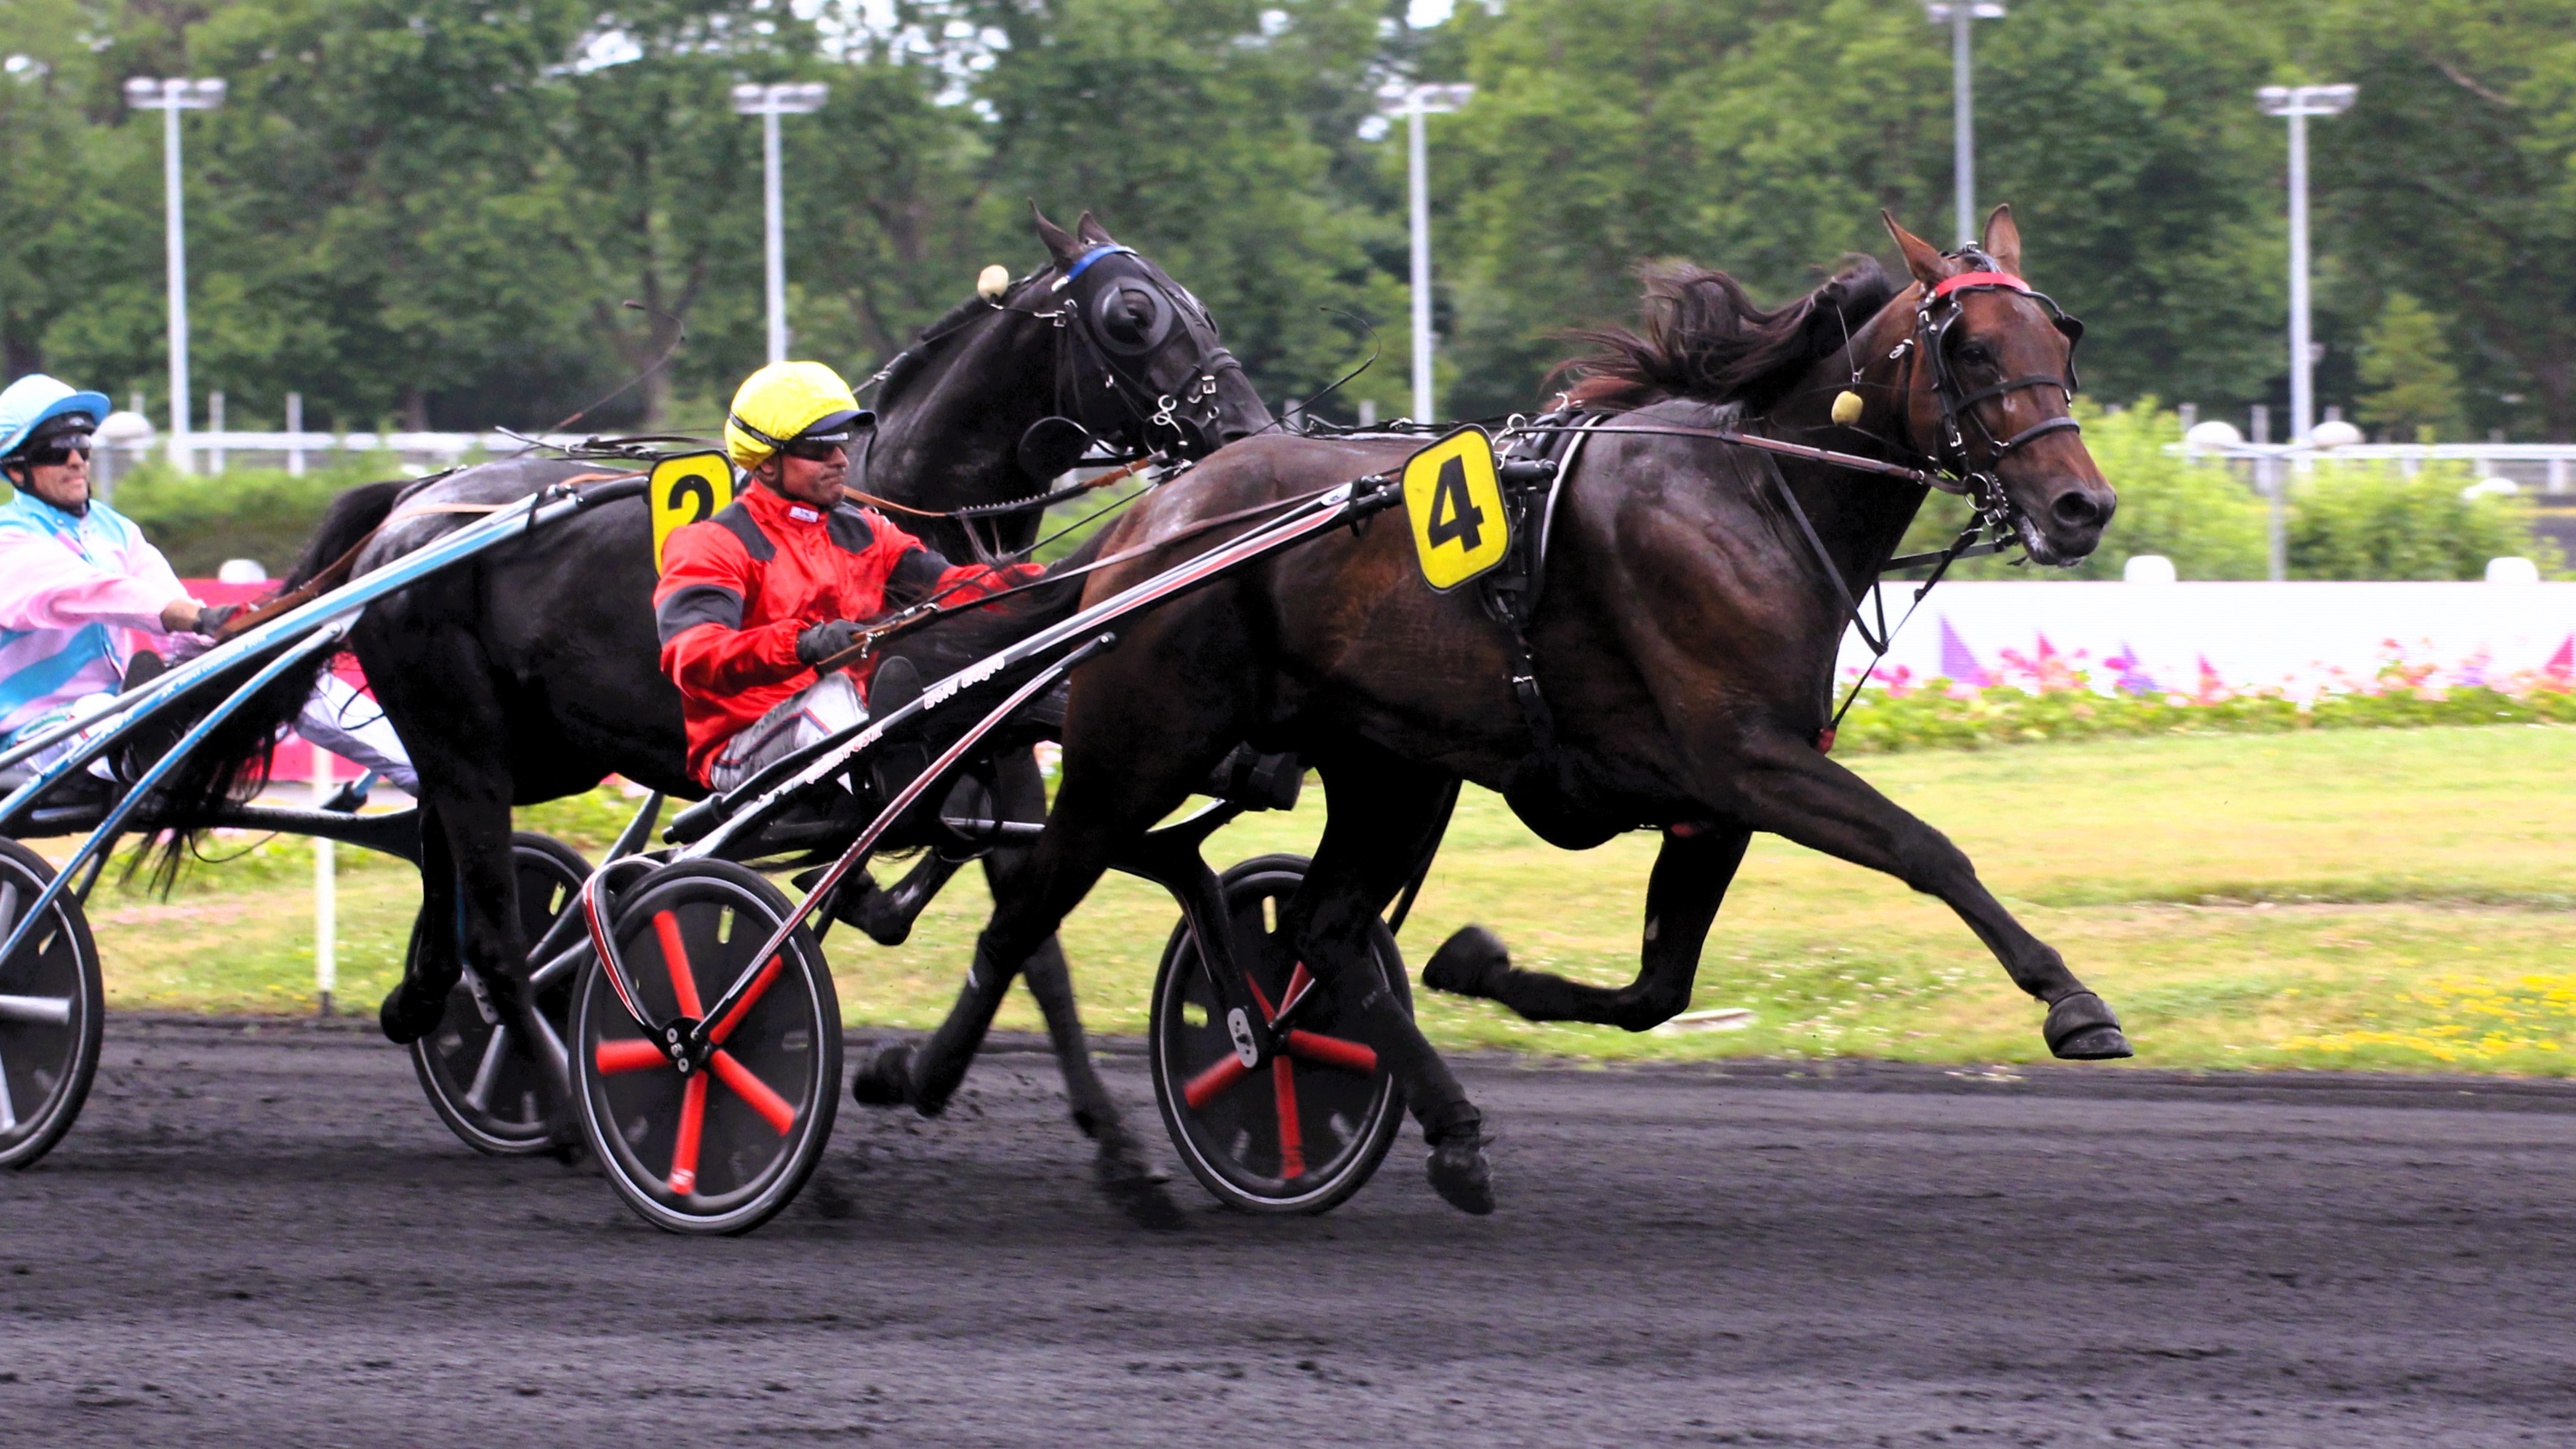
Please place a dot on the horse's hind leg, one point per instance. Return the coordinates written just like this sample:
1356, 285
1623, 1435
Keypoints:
1098, 808
1691, 874
1381, 815
1789, 789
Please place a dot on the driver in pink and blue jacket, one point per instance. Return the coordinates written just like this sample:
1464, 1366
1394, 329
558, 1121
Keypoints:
83, 594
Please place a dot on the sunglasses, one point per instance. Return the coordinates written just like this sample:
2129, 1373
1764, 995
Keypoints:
58, 454
815, 450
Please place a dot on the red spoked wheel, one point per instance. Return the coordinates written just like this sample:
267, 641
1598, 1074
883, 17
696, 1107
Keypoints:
719, 1149
50, 1005
488, 1080
1306, 1127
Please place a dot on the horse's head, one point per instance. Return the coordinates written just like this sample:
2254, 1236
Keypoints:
1145, 365
1987, 370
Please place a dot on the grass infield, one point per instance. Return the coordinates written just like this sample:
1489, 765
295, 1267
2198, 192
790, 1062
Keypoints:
2369, 899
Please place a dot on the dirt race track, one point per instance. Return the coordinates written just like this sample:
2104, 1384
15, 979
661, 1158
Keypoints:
267, 1239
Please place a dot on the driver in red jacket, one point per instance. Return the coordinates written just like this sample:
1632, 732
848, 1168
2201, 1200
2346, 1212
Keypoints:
754, 598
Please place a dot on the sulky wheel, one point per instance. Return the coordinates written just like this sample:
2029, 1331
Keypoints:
1306, 1128
722, 1148
488, 1080
50, 1008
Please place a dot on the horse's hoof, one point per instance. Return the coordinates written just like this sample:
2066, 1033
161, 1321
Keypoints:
2094, 1044
412, 1011
2082, 1028
1468, 963
879, 914
884, 1077
1138, 1190
1460, 1174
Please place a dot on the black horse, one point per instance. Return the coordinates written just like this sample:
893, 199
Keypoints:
532, 672
1684, 643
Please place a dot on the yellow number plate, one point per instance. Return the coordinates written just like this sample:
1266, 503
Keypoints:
684, 490
1456, 503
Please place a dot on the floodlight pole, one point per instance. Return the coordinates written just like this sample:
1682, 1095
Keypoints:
170, 97
1413, 102
1959, 15
2296, 104
769, 102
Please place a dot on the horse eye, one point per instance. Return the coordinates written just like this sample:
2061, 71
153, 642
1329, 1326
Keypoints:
1975, 355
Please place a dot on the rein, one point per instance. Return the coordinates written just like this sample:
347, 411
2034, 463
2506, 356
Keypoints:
338, 570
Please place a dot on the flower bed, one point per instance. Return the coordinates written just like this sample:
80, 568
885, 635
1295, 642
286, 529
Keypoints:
2052, 696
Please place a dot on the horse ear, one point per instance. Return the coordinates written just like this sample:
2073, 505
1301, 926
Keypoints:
1092, 233
1922, 258
1059, 243
2003, 240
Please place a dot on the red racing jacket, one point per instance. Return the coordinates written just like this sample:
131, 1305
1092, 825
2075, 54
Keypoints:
738, 588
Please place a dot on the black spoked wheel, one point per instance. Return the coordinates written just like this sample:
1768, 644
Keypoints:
1303, 1130
721, 1149
490, 1079
50, 1012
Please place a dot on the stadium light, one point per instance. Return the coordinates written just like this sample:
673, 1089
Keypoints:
1963, 108
769, 102
1413, 102
2297, 103
170, 97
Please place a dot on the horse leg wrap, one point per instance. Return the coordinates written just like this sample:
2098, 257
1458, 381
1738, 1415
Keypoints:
2083, 1028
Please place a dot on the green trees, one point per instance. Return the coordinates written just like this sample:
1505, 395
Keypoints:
417, 212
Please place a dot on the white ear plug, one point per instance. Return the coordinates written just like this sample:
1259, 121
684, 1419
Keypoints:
992, 282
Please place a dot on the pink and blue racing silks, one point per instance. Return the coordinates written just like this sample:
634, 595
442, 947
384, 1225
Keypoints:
77, 597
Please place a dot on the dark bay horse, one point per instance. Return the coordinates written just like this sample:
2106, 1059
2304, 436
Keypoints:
1685, 641
532, 672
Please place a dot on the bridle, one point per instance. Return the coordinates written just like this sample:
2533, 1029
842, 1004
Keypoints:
1162, 407
1953, 468
1146, 423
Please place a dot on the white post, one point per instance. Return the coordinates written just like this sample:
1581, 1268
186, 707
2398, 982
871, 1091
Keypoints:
295, 435
2303, 362
175, 223
1963, 121
769, 102
215, 427
1417, 152
2296, 104
170, 97
2558, 474
777, 239
1413, 103
326, 901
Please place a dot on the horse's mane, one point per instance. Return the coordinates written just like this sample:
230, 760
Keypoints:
1702, 337
909, 363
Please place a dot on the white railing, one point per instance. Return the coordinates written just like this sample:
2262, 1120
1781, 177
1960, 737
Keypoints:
212, 452
2543, 467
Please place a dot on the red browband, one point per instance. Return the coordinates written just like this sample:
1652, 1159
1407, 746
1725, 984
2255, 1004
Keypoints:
1979, 279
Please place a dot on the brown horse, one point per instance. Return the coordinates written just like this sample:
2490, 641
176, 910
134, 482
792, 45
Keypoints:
1685, 641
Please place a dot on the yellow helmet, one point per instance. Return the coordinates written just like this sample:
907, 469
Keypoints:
786, 401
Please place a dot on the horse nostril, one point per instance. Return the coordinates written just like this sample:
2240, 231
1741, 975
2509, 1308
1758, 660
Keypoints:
2076, 508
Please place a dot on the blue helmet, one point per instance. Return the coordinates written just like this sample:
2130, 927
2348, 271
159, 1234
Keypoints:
33, 401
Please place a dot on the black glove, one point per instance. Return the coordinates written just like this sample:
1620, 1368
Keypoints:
822, 641
212, 618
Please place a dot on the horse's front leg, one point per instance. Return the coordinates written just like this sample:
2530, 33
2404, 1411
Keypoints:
1682, 896
1783, 786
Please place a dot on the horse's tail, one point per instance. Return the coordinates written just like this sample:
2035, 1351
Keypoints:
232, 763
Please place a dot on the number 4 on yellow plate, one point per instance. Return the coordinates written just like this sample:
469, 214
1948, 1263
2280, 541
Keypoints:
1456, 504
